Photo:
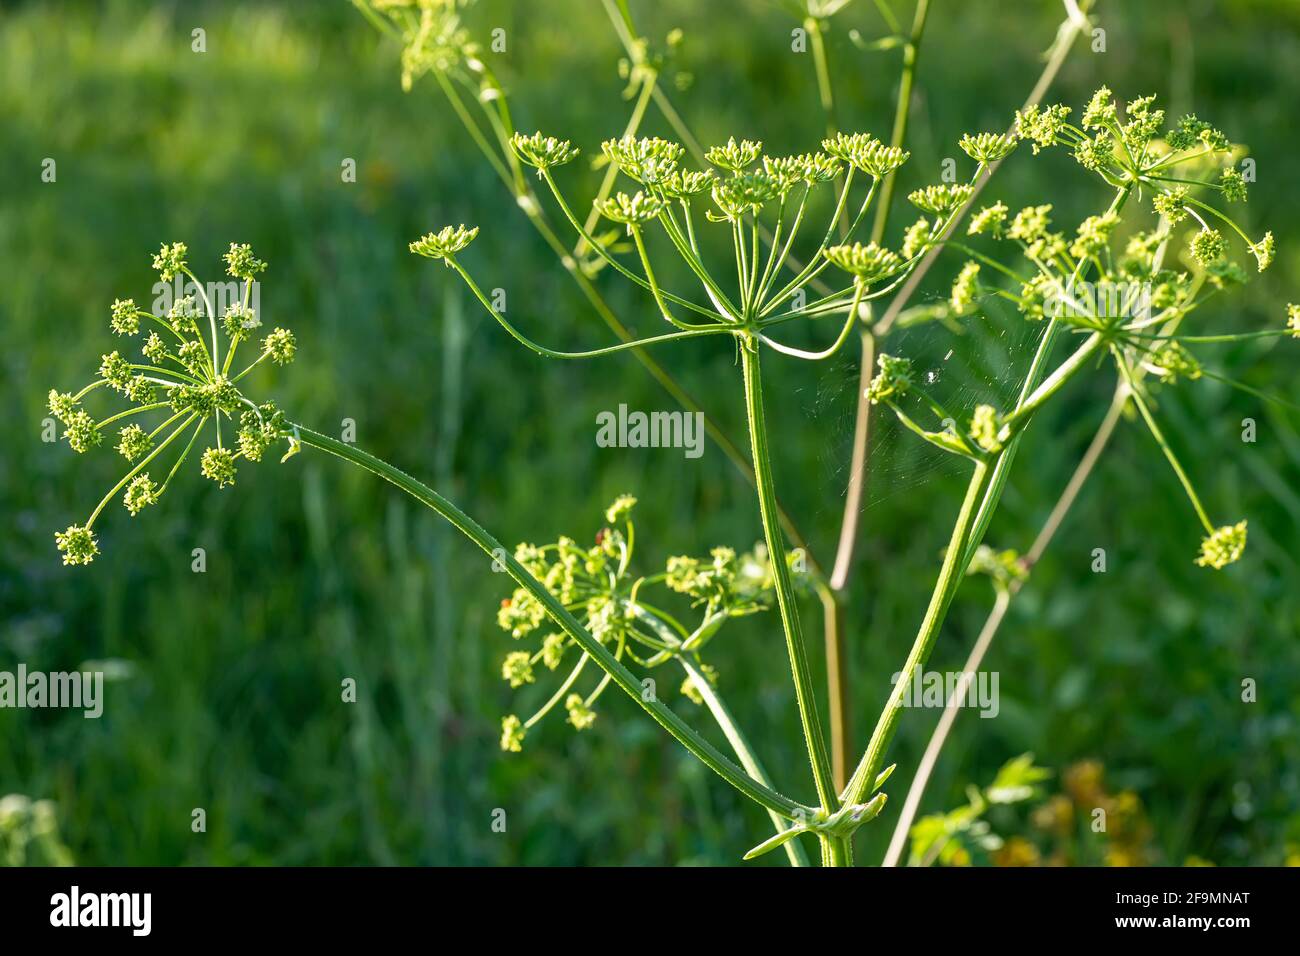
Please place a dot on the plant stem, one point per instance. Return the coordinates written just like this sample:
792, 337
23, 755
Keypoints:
744, 752
805, 697
624, 678
944, 590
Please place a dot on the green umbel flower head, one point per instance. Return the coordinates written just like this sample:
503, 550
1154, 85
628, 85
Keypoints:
893, 379
1223, 546
445, 243
512, 734
867, 263
185, 387
542, 151
987, 147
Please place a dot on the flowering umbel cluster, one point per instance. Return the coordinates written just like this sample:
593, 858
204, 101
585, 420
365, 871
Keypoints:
598, 585
183, 379
1106, 281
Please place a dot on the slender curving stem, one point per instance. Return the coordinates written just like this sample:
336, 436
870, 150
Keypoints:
760, 793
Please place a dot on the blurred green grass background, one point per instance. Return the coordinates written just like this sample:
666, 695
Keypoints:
229, 694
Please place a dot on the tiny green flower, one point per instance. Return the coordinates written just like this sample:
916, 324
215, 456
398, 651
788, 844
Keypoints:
553, 646
1172, 204
140, 492
683, 183
965, 288
916, 238
1233, 185
445, 243
866, 153
1094, 235
512, 734
1208, 246
987, 147
1030, 223
894, 378
649, 160
520, 613
126, 317
170, 260
154, 348
942, 199
1042, 126
620, 509
77, 544
580, 715
542, 151
744, 192
1095, 153
1191, 132
82, 433
991, 220
1100, 112
193, 356
61, 404
1293, 320
116, 371
518, 668
735, 157
1172, 362
140, 390
133, 441
869, 263
1263, 251
218, 464
1223, 546
630, 210
280, 345
987, 430
1143, 123
239, 320
241, 263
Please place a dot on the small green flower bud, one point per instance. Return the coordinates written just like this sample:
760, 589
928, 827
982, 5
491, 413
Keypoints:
987, 147
518, 668
184, 314
744, 192
542, 151
869, 263
1208, 246
116, 370
553, 646
154, 348
140, 492
893, 379
1224, 546
520, 614
193, 356
281, 346
620, 509
126, 317
649, 160
133, 441
1041, 125
735, 157
630, 210
1172, 362
61, 405
1263, 251
1030, 223
683, 183
1094, 235
990, 220
916, 238
987, 430
82, 433
512, 734
77, 544
218, 464
1100, 112
141, 391
1293, 320
1233, 185
942, 199
580, 715
1171, 204
240, 261
965, 288
170, 260
240, 320
445, 243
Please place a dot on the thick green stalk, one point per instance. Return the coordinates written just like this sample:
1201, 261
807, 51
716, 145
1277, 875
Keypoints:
624, 678
944, 590
805, 697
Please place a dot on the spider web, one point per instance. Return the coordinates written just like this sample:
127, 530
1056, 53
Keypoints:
984, 362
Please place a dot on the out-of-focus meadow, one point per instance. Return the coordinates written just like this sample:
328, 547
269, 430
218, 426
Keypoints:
226, 684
